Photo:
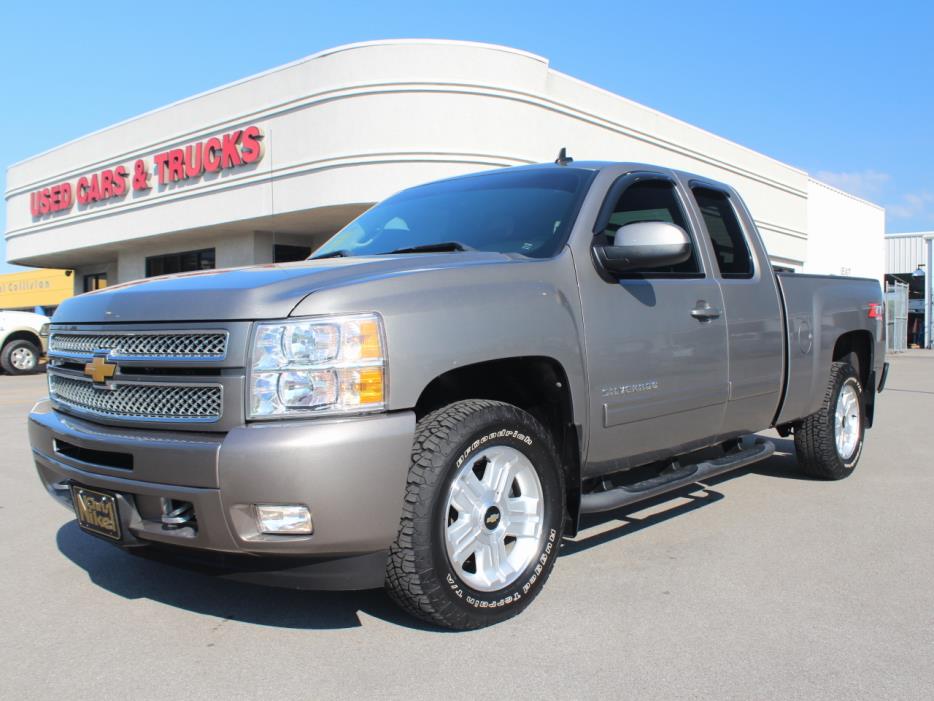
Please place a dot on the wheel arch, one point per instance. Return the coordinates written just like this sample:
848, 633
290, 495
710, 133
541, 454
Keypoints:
536, 384
23, 335
859, 345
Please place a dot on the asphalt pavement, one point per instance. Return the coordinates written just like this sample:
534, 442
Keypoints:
756, 585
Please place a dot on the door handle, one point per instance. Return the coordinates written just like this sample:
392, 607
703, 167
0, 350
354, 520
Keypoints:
704, 312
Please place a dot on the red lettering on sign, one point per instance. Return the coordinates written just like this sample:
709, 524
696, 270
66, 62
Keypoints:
176, 164
230, 156
193, 161
39, 202
119, 181
230, 150
161, 159
140, 175
107, 179
55, 198
94, 192
97, 187
66, 196
82, 190
251, 150
212, 159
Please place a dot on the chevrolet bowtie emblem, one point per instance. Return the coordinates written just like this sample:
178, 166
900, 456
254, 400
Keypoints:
99, 370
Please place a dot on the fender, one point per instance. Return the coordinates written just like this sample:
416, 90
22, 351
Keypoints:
441, 319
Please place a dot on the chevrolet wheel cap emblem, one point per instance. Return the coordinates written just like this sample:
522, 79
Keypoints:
100, 370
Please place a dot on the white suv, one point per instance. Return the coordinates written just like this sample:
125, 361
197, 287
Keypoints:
23, 341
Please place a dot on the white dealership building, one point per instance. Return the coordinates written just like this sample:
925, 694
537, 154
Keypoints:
264, 169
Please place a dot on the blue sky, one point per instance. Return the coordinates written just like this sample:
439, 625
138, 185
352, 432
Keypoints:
842, 90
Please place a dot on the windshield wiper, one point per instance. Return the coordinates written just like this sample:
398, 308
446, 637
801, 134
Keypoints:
342, 253
434, 247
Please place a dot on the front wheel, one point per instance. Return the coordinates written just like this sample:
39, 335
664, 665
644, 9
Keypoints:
829, 442
482, 517
20, 358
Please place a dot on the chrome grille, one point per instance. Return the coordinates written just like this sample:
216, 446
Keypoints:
204, 345
139, 401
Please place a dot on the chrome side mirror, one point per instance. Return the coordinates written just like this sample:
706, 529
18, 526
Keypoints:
649, 244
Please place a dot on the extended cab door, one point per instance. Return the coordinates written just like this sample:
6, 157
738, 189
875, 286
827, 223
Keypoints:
752, 307
656, 339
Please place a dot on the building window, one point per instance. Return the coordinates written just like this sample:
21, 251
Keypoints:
95, 281
286, 254
180, 262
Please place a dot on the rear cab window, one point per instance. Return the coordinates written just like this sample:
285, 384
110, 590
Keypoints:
730, 248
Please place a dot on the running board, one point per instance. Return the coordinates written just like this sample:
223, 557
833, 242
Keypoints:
611, 499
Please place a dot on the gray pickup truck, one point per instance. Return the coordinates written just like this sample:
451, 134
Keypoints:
436, 397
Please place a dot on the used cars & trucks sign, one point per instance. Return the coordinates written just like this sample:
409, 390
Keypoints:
225, 152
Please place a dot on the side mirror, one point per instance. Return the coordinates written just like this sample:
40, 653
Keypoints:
649, 244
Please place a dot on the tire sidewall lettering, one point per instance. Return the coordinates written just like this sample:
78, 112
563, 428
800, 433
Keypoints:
489, 437
517, 590
520, 439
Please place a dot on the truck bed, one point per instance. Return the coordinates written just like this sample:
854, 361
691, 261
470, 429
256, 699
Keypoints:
818, 310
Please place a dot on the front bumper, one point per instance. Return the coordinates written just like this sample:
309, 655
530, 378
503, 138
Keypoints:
350, 472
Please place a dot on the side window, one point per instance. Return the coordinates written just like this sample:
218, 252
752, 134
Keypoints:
726, 234
652, 200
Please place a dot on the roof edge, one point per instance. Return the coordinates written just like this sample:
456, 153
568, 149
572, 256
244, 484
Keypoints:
844, 193
683, 122
285, 66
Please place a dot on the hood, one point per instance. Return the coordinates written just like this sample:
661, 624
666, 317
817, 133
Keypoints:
256, 292
22, 319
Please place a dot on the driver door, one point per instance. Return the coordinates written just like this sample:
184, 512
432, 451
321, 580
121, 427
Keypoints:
656, 340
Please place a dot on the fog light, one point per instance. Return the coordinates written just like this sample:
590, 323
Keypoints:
285, 519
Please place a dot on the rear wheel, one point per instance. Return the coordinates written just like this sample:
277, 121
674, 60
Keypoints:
482, 517
20, 358
829, 443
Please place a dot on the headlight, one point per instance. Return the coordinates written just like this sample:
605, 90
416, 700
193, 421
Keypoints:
44, 330
324, 365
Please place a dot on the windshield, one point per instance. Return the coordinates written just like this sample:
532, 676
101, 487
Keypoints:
521, 211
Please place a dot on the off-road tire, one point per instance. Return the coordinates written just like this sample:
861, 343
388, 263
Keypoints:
815, 438
6, 357
419, 575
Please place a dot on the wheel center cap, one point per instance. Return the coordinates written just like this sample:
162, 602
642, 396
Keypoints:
491, 518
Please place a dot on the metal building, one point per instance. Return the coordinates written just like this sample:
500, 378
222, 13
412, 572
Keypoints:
909, 259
